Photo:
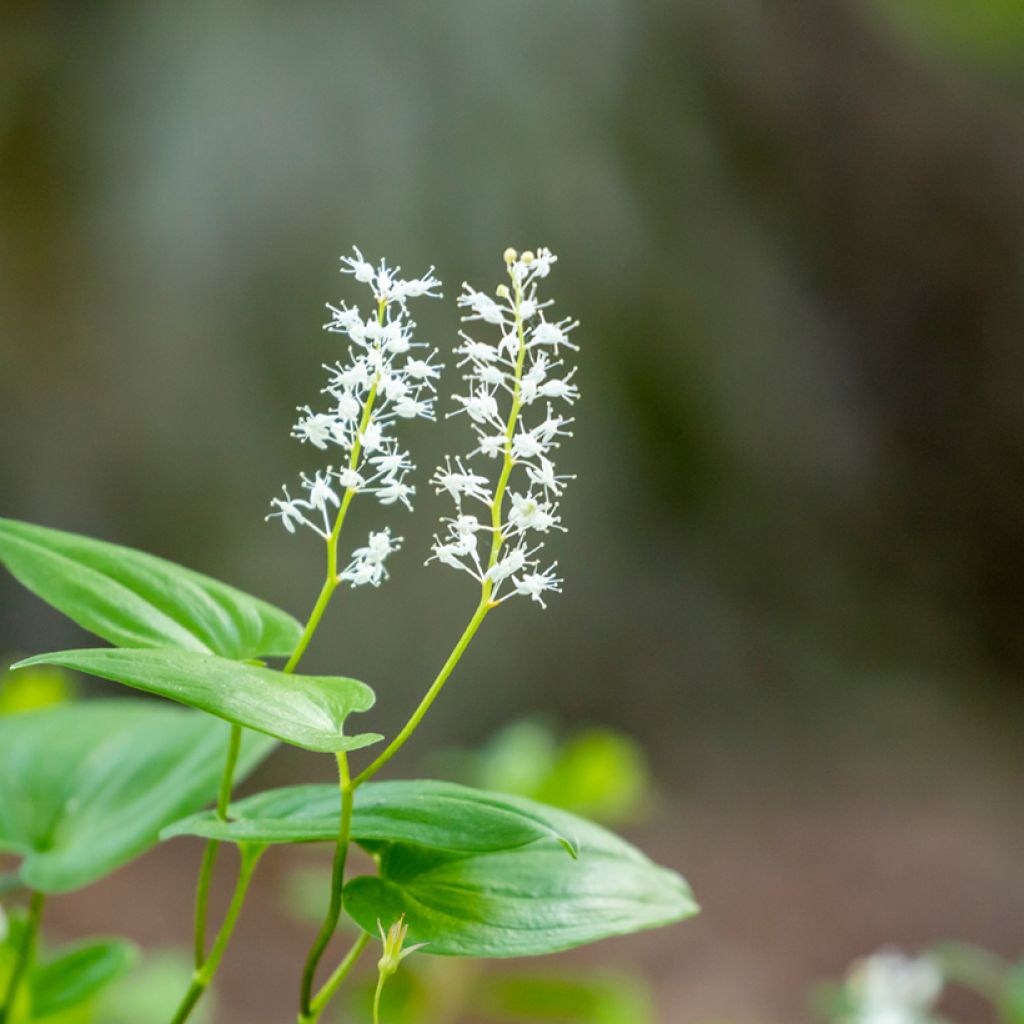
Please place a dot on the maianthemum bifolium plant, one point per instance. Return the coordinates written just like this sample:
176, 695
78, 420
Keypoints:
459, 872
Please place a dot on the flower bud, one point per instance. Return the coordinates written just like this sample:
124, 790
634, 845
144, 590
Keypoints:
527, 257
502, 291
510, 255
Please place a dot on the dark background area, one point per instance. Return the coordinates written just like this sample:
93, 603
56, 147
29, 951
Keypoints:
794, 233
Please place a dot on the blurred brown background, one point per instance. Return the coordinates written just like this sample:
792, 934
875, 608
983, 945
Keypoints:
794, 233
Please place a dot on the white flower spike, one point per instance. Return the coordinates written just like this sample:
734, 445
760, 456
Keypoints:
386, 379
506, 376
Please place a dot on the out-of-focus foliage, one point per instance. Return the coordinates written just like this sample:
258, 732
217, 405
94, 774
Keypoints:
888, 986
597, 773
37, 688
988, 32
143, 997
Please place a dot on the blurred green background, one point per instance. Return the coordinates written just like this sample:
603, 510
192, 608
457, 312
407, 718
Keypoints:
794, 233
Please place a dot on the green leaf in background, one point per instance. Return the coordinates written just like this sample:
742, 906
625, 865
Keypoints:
86, 787
984, 32
553, 998
1012, 1001
78, 973
423, 813
145, 995
597, 773
306, 711
26, 691
136, 600
523, 902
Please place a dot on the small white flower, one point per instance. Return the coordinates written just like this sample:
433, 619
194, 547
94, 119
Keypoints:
358, 267
480, 405
320, 491
316, 428
531, 513
350, 479
367, 565
508, 565
289, 511
372, 437
483, 306
421, 370
460, 482
394, 490
536, 584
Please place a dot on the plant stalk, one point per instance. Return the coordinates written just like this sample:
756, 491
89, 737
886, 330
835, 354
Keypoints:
35, 915
203, 975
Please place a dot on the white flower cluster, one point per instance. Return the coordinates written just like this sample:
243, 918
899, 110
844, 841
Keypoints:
386, 378
519, 376
890, 988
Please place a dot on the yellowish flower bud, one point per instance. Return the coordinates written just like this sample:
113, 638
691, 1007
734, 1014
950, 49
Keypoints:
510, 255
527, 257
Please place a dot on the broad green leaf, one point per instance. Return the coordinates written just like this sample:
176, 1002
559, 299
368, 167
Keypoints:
86, 787
306, 711
77, 973
522, 902
424, 813
133, 599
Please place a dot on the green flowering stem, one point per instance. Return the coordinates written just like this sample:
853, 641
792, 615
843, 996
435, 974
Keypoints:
482, 609
212, 847
330, 924
333, 983
378, 992
25, 953
431, 695
250, 855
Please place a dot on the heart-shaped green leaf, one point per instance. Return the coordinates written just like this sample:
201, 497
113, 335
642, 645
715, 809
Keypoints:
425, 813
133, 599
86, 787
77, 973
306, 711
523, 902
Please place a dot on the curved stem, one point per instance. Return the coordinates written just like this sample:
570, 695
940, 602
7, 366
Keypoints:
376, 998
330, 925
204, 974
431, 695
22, 964
212, 847
333, 983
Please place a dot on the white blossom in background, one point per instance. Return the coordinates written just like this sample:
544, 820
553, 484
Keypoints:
388, 377
891, 988
518, 389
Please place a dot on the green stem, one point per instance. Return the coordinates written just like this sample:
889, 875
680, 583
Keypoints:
24, 961
431, 695
213, 846
330, 925
424, 706
376, 998
333, 983
203, 975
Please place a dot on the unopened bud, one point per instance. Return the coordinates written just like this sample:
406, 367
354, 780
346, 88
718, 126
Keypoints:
527, 257
502, 291
510, 255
